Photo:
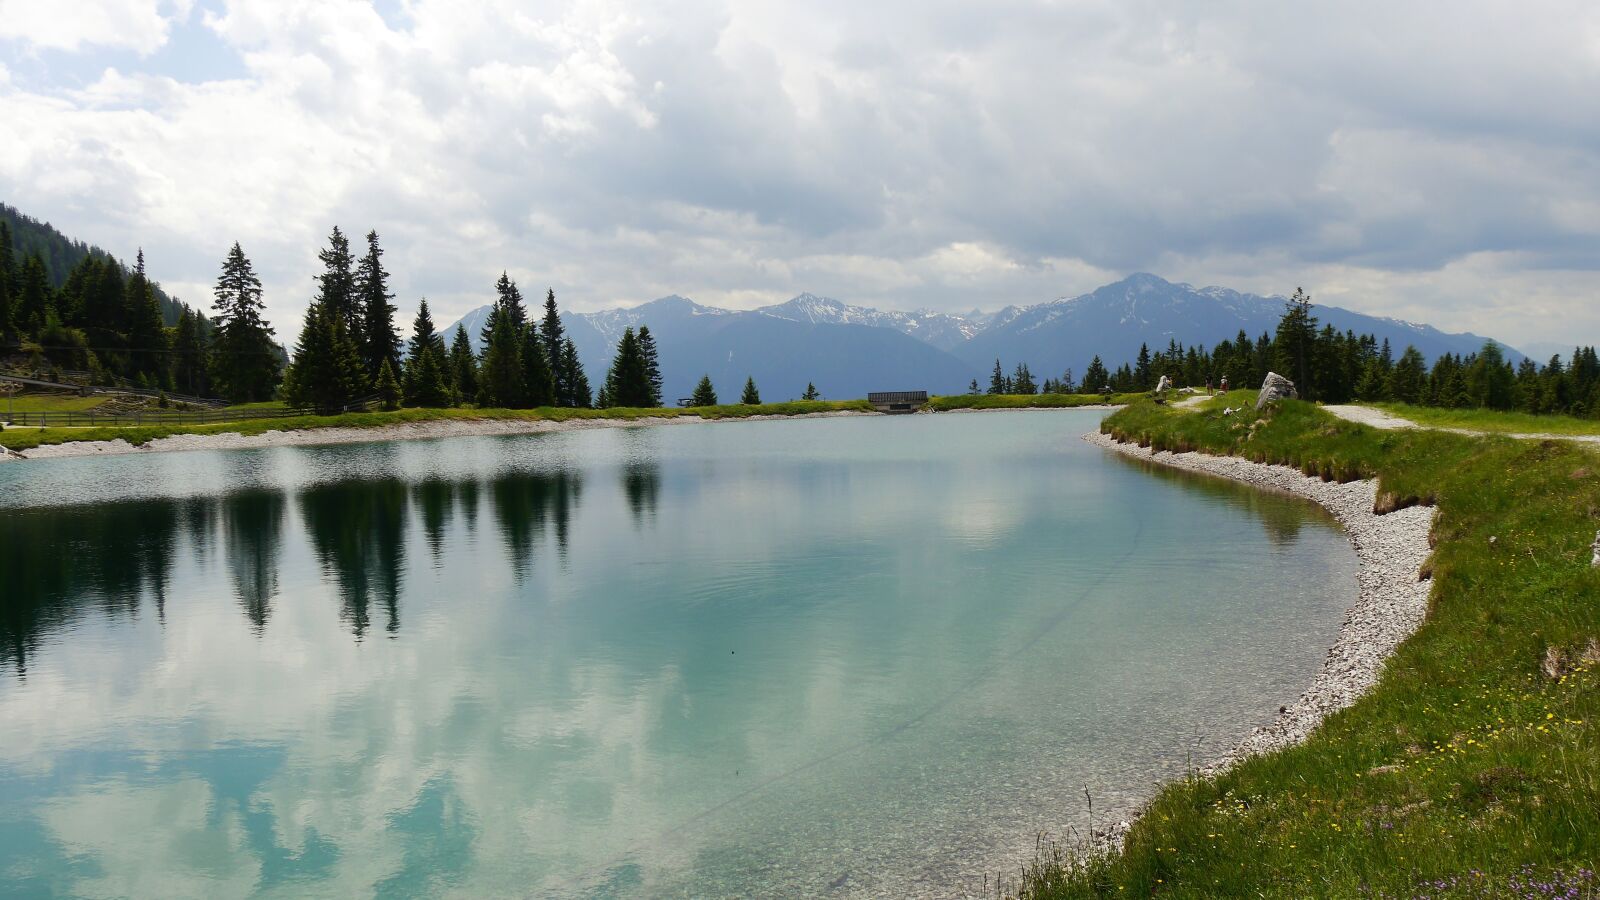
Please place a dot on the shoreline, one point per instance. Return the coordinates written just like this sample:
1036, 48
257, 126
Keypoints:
431, 430
1391, 596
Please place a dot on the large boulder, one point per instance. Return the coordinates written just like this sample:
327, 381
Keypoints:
1274, 388
1164, 385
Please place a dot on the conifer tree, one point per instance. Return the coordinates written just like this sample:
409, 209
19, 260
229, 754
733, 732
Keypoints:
973, 387
244, 363
1295, 343
997, 379
426, 382
500, 378
388, 387
463, 366
147, 335
189, 355
1408, 381
326, 374
1095, 377
751, 396
704, 393
336, 286
7, 280
537, 375
652, 365
553, 337
1022, 382
380, 339
811, 391
581, 395
35, 301
628, 382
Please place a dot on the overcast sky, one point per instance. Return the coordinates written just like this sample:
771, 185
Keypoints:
1433, 161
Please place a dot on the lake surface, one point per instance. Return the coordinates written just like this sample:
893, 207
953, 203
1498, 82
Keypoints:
838, 657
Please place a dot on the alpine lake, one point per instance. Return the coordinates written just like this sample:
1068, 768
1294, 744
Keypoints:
871, 656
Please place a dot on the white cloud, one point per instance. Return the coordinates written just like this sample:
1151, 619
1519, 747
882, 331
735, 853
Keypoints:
946, 156
75, 24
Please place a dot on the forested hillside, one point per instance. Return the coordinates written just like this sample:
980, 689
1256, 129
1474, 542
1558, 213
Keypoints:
61, 254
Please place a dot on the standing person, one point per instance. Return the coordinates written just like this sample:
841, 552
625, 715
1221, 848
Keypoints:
1208, 385
1224, 384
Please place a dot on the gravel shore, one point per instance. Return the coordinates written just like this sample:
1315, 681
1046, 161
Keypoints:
1391, 601
438, 428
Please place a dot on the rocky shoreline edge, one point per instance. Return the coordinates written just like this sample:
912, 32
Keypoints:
1391, 600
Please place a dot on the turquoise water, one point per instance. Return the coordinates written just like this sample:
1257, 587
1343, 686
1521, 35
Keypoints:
838, 657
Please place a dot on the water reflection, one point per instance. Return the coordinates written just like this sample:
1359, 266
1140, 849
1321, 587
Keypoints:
526, 503
254, 530
357, 529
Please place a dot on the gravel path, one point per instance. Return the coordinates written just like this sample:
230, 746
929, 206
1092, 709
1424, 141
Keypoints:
1391, 600
1378, 418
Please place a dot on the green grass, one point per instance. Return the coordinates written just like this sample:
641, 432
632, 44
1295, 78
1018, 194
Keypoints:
1023, 401
1492, 420
26, 438
62, 402
1478, 750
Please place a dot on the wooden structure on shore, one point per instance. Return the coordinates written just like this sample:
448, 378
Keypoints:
897, 401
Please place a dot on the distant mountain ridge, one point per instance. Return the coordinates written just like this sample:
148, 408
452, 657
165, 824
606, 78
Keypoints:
818, 339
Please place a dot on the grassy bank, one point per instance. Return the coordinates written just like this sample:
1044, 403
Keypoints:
1500, 422
25, 438
1024, 401
1473, 768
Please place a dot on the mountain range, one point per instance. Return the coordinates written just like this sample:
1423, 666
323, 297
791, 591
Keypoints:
849, 350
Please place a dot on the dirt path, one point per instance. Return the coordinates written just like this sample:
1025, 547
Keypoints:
1377, 418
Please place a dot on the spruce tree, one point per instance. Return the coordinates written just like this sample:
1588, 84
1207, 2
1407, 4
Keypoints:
537, 375
1408, 380
578, 385
973, 387
326, 374
704, 393
7, 280
1022, 381
189, 355
35, 300
380, 339
628, 382
500, 378
388, 387
652, 365
553, 336
147, 334
426, 382
336, 286
751, 396
244, 362
1295, 344
1095, 378
997, 379
811, 391
463, 366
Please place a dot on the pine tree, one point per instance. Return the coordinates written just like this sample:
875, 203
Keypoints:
1295, 343
578, 384
973, 387
1490, 382
326, 374
244, 362
811, 391
7, 280
147, 334
35, 300
751, 396
336, 286
1022, 381
553, 336
500, 378
1095, 377
997, 379
463, 366
537, 375
388, 387
426, 382
652, 365
380, 340
1143, 371
189, 355
704, 393
628, 382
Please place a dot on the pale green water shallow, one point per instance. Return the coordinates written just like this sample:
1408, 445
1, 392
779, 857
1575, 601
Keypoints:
829, 657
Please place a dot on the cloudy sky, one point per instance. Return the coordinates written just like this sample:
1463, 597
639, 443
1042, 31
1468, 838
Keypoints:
1434, 161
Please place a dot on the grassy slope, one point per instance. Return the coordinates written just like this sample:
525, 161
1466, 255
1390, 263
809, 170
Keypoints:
51, 403
1492, 420
1467, 757
1023, 401
24, 438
